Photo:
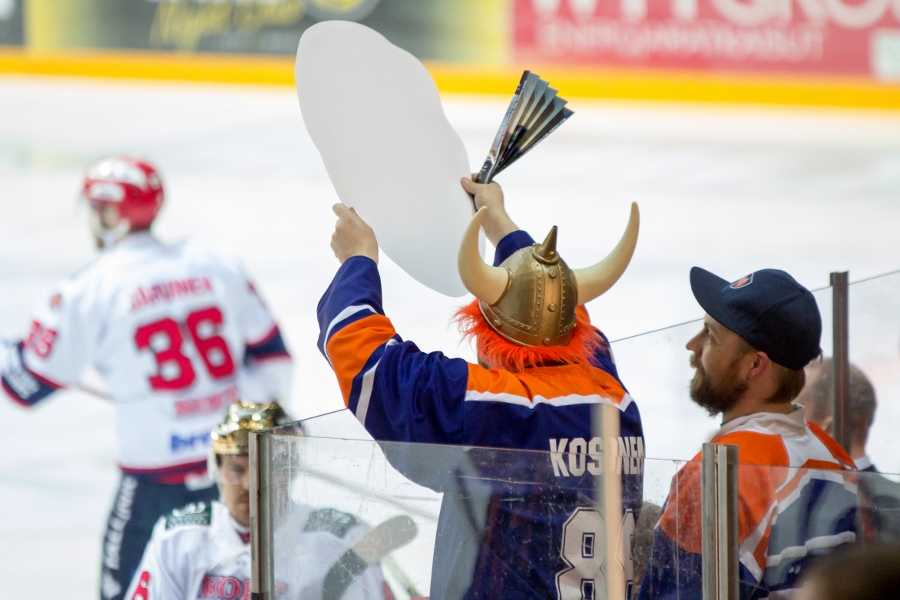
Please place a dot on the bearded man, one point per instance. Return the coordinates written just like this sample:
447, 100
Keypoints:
758, 334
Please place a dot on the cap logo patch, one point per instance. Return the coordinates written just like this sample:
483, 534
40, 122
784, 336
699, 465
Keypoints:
743, 281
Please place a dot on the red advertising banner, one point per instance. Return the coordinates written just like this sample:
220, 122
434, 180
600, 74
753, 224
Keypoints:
838, 37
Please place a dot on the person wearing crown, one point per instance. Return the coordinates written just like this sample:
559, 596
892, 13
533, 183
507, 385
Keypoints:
202, 550
542, 368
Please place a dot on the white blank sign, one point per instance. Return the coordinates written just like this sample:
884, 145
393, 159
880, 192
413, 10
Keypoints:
373, 112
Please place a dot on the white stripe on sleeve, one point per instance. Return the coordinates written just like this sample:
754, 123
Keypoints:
365, 392
347, 312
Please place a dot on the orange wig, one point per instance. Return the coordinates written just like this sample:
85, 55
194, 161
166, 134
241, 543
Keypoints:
498, 352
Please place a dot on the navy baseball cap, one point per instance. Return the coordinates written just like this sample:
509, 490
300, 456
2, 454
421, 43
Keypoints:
768, 309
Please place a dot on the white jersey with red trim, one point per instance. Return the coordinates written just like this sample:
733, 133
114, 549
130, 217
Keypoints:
200, 552
176, 331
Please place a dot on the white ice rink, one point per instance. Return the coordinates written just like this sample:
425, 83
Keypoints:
732, 189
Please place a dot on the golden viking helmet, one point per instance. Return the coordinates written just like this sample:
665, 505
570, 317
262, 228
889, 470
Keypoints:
530, 299
232, 435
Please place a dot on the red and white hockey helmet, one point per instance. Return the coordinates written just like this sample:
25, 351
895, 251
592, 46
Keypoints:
130, 185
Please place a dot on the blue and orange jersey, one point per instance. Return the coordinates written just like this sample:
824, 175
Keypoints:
402, 394
797, 499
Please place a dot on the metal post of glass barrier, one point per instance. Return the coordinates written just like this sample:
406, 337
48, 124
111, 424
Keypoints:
720, 522
608, 502
840, 308
262, 565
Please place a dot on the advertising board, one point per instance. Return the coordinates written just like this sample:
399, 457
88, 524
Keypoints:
11, 23
453, 30
822, 37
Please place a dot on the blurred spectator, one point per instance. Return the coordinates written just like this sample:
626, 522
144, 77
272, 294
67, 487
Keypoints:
878, 494
643, 539
860, 573
817, 397
203, 549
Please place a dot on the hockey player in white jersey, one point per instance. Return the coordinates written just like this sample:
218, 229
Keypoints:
176, 331
203, 550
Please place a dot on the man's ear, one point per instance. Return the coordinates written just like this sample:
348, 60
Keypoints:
761, 361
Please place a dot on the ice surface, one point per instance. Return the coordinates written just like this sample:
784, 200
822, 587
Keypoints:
732, 189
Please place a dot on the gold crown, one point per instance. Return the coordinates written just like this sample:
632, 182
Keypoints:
232, 435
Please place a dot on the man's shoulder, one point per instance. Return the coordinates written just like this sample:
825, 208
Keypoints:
112, 263
91, 272
757, 446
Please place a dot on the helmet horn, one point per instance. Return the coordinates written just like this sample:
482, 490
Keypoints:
483, 281
546, 252
592, 282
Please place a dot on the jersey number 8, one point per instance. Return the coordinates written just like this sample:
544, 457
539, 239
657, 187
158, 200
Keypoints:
584, 551
175, 371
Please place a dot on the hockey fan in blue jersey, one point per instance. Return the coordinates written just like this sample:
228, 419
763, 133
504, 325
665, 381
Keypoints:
176, 331
543, 366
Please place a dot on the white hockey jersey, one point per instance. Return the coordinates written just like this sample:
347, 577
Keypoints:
176, 331
198, 552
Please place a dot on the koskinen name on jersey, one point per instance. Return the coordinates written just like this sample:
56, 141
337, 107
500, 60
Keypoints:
588, 455
170, 290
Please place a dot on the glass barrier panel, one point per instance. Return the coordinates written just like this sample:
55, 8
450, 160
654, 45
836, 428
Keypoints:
354, 516
874, 307
655, 368
338, 424
789, 518
879, 499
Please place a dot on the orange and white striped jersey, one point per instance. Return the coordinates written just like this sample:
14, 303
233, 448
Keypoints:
797, 499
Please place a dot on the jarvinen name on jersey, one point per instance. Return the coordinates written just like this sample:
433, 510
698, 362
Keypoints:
207, 405
574, 457
169, 290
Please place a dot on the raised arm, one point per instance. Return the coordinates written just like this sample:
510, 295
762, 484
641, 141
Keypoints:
352, 236
380, 375
497, 224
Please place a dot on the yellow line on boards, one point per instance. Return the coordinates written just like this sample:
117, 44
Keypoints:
681, 85
228, 68
584, 82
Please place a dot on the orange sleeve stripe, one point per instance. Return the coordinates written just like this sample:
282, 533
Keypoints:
756, 490
682, 520
350, 348
546, 382
836, 450
757, 448
763, 463
798, 475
